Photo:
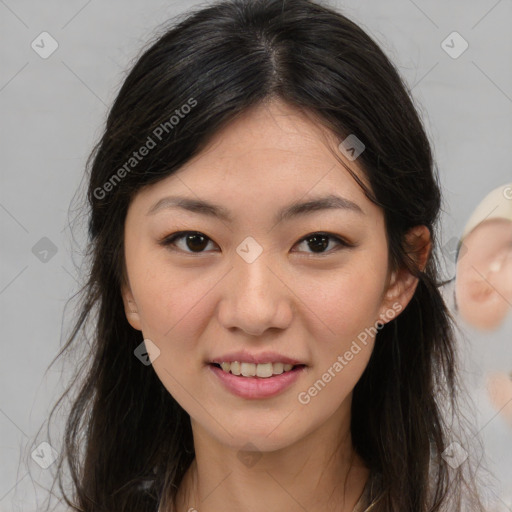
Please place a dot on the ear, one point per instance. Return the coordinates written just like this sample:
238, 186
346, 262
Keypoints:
402, 283
130, 307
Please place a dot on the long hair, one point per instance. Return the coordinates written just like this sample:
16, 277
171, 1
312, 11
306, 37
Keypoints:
127, 443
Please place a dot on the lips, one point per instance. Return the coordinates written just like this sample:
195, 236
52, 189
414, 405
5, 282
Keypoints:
253, 388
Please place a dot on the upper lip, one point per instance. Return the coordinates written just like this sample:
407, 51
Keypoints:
262, 357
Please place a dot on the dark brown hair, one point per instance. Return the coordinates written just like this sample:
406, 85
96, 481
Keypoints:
127, 442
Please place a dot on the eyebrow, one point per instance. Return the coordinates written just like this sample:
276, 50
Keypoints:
295, 209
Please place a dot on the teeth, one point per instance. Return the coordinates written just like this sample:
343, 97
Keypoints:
263, 370
248, 369
278, 368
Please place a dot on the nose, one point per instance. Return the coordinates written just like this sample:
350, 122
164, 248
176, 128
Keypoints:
255, 298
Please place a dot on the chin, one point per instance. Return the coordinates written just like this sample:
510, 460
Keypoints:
264, 438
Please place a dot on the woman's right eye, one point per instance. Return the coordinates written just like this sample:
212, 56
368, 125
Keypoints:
195, 241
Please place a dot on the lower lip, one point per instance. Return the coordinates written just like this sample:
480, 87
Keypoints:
257, 387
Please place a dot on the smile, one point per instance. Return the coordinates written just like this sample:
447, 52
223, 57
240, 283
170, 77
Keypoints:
262, 370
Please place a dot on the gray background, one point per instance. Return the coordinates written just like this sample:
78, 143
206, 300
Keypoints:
52, 111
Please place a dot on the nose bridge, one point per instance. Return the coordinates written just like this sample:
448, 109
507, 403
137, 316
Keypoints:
255, 280
255, 283
252, 262
255, 298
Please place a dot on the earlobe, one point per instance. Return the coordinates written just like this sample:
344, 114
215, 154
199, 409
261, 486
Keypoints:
130, 308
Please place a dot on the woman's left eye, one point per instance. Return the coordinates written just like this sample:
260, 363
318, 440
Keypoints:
320, 241
194, 242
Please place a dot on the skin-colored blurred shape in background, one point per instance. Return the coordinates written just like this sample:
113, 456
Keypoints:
499, 387
483, 286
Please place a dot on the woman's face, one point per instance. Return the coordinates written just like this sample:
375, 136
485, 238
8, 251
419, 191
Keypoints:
251, 287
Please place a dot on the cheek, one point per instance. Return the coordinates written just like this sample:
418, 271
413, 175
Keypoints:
168, 298
346, 300
346, 306
173, 307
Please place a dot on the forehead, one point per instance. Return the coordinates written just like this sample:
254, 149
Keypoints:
276, 126
270, 155
273, 132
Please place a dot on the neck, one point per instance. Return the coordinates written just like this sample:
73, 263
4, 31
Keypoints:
320, 472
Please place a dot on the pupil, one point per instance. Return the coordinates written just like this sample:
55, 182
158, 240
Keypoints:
194, 237
319, 242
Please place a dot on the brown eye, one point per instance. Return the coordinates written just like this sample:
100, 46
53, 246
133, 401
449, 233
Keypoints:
194, 241
318, 242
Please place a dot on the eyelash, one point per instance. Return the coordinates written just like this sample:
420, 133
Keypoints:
168, 241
